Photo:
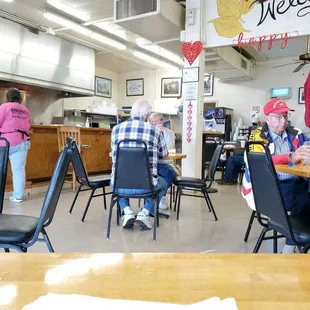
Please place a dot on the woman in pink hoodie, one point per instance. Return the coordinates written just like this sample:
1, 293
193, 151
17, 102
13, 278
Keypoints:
15, 122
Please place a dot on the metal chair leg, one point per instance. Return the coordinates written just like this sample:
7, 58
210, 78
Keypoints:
176, 200
156, 222
88, 203
179, 202
6, 250
75, 198
171, 194
104, 198
275, 242
305, 249
118, 213
112, 203
247, 233
47, 241
208, 200
260, 240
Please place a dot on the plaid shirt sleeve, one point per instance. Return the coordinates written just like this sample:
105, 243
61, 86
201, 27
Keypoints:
162, 147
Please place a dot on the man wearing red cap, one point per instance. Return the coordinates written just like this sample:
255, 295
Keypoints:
286, 146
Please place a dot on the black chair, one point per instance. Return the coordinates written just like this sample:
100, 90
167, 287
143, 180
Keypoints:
208, 149
185, 183
4, 158
269, 202
91, 183
20, 232
132, 171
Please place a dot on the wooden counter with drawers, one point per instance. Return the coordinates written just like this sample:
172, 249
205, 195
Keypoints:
44, 153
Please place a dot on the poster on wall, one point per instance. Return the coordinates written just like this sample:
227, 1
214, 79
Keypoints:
255, 113
243, 22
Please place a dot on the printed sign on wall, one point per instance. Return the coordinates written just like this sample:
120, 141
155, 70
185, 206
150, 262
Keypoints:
247, 21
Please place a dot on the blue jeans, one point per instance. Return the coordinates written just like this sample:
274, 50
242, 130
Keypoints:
233, 167
167, 172
296, 198
18, 157
161, 189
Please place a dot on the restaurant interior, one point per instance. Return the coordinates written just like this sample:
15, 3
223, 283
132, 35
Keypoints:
208, 68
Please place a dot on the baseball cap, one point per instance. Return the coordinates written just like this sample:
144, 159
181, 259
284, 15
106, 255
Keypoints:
276, 106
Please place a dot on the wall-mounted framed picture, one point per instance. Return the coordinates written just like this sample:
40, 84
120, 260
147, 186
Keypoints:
301, 95
135, 87
171, 87
208, 84
103, 87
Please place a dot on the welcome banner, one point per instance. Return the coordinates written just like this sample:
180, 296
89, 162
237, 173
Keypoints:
243, 22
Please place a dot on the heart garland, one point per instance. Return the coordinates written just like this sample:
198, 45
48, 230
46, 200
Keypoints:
191, 51
189, 123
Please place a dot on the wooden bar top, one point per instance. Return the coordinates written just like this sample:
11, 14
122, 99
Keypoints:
256, 281
298, 169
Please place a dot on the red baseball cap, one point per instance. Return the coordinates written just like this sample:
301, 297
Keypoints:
276, 106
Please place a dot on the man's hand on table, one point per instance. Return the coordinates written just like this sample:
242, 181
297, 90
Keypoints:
301, 154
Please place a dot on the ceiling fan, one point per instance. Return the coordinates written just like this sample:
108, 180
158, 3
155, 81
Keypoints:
304, 59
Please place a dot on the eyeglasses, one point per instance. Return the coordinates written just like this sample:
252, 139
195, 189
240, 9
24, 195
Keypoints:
279, 117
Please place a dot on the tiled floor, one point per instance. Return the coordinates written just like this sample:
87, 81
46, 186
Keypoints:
196, 231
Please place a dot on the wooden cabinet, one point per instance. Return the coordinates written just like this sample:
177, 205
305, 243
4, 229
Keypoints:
43, 153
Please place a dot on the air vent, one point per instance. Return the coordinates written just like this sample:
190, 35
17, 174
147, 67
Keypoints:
244, 64
130, 8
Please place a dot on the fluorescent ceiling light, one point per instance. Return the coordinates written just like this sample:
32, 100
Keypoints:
8, 1
148, 45
108, 41
154, 60
69, 9
112, 28
66, 23
80, 29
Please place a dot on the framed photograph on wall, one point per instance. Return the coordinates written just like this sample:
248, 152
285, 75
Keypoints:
171, 87
301, 95
103, 87
135, 87
208, 84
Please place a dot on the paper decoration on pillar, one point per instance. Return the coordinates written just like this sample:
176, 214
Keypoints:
189, 122
191, 51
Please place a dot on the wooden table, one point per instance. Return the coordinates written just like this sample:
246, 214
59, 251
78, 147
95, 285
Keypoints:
298, 169
256, 281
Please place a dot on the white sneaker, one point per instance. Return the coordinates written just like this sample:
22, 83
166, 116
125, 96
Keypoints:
163, 203
15, 199
145, 221
289, 249
129, 219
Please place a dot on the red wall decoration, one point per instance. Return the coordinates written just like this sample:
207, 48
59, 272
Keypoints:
191, 51
189, 122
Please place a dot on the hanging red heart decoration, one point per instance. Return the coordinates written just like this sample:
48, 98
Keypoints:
189, 140
191, 51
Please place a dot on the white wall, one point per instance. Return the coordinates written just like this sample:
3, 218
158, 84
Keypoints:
241, 95
152, 85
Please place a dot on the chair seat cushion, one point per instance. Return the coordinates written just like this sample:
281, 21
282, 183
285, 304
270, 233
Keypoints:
17, 228
98, 182
300, 227
189, 182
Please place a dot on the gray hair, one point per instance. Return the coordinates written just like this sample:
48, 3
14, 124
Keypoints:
141, 109
156, 114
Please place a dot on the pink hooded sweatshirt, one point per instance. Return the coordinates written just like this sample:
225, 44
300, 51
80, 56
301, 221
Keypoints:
15, 122
307, 100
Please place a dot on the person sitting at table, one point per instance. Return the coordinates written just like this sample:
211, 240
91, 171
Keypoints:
286, 146
164, 167
138, 127
233, 167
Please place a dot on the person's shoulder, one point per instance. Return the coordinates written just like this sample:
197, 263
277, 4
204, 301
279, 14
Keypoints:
256, 133
294, 131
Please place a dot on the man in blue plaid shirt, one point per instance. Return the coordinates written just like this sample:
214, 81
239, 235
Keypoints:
137, 127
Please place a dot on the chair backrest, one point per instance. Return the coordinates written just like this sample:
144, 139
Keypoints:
214, 162
267, 196
78, 165
208, 150
4, 157
63, 132
54, 189
132, 166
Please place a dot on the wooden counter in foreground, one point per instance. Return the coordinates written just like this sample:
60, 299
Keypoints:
43, 153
